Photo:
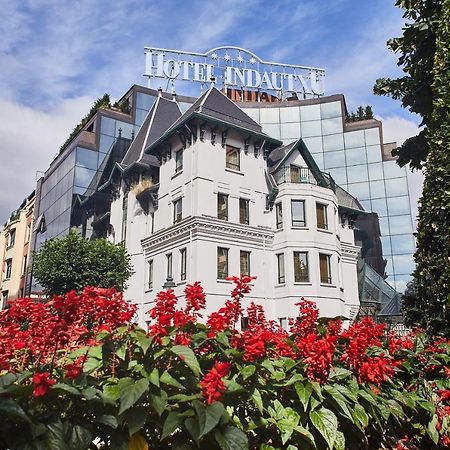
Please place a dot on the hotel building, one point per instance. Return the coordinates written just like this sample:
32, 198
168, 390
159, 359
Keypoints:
115, 153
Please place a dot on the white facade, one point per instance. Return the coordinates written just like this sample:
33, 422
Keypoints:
159, 242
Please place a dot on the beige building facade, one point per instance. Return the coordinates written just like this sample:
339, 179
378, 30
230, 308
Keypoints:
15, 251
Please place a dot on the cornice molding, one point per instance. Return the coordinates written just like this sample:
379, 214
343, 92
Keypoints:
208, 228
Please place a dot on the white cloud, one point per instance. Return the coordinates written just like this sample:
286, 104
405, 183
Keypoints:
29, 140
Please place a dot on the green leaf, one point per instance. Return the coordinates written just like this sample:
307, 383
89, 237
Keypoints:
159, 402
187, 355
8, 407
213, 413
339, 443
111, 393
304, 393
168, 379
288, 423
222, 338
135, 419
248, 371
108, 420
256, 397
173, 421
326, 423
65, 388
431, 429
360, 417
130, 391
231, 438
79, 437
154, 377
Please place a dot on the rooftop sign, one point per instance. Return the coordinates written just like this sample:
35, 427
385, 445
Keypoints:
233, 67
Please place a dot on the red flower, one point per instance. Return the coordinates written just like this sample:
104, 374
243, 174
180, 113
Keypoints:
42, 383
212, 384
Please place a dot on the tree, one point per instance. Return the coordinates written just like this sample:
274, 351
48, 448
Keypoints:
430, 306
73, 262
417, 48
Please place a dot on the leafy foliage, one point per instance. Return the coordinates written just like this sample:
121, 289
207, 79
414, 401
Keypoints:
73, 262
185, 385
362, 113
417, 49
102, 102
429, 304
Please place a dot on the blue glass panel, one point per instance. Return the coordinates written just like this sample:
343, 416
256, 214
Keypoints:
83, 176
379, 206
86, 158
400, 225
403, 264
144, 101
375, 171
108, 126
356, 155
334, 159
333, 142
402, 244
357, 174
377, 189
396, 187
398, 206
359, 190
354, 139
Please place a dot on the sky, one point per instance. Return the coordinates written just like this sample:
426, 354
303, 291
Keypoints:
57, 57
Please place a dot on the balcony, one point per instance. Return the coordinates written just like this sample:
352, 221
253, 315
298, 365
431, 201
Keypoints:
302, 175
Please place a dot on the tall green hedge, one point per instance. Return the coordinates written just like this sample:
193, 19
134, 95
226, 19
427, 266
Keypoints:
430, 307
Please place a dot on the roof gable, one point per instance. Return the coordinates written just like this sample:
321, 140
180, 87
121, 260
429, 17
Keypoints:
161, 116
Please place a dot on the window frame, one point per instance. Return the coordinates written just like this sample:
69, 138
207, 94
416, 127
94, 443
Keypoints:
299, 222
12, 237
246, 219
281, 268
325, 278
219, 213
300, 278
150, 274
179, 161
183, 263
323, 207
279, 215
169, 265
223, 275
231, 165
8, 269
177, 216
247, 254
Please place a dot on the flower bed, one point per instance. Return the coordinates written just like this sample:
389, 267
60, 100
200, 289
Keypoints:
76, 373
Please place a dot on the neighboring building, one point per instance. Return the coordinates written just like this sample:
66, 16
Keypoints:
206, 194
15, 251
359, 161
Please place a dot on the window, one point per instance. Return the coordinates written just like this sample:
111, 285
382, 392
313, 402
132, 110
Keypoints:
24, 264
150, 274
28, 233
295, 174
222, 206
321, 214
244, 209
325, 268
279, 215
5, 299
244, 263
232, 158
222, 263
280, 262
124, 218
8, 269
179, 161
169, 265
244, 323
298, 213
183, 263
12, 237
283, 322
177, 210
301, 271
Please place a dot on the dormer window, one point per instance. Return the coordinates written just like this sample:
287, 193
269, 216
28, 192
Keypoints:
232, 158
179, 161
